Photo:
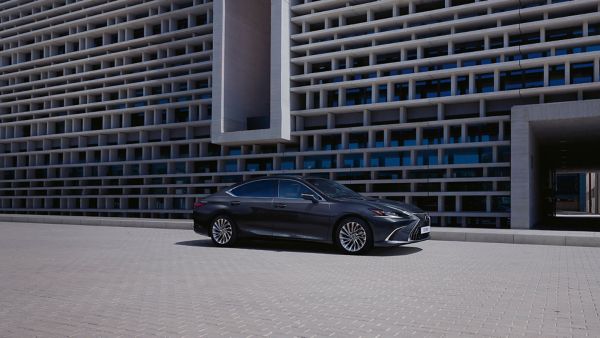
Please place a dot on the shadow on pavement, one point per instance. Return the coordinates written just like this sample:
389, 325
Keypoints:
299, 246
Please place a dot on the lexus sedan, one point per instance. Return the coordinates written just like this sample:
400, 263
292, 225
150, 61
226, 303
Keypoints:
311, 209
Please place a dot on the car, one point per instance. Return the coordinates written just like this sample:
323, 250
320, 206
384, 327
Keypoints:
310, 209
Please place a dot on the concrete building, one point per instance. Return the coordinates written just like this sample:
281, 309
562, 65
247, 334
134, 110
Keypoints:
137, 107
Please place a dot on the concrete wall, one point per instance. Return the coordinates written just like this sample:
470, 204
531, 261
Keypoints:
247, 61
251, 72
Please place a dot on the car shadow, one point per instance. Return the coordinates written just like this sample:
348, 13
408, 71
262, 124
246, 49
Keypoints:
299, 246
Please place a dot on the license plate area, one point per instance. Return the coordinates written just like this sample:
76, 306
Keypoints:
425, 230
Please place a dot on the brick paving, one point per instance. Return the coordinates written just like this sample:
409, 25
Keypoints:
69, 280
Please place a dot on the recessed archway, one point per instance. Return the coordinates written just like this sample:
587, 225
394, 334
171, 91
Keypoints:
550, 140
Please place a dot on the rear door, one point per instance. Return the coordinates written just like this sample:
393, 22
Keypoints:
295, 217
251, 204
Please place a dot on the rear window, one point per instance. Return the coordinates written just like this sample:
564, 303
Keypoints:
262, 188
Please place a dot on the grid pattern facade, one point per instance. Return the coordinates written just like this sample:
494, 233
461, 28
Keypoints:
105, 106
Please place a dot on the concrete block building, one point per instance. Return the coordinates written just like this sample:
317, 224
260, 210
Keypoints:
137, 107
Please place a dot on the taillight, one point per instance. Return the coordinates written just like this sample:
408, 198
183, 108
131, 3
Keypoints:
199, 204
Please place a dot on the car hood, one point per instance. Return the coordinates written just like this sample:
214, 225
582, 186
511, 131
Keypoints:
383, 203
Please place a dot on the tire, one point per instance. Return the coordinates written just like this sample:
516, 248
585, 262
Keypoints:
353, 236
223, 231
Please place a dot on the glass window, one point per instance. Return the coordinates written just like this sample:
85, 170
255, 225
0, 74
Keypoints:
293, 189
262, 188
427, 157
319, 162
468, 155
288, 163
582, 72
333, 189
484, 83
556, 75
353, 161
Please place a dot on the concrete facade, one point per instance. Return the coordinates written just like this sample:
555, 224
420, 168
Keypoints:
129, 108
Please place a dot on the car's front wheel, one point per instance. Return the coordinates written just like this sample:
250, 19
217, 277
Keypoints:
223, 231
353, 236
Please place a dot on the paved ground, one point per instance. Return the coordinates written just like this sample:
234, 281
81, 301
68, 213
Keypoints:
67, 280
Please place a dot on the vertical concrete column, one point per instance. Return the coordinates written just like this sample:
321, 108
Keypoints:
453, 84
567, 72
440, 111
366, 117
402, 113
330, 121
341, 97
597, 70
482, 111
496, 80
322, 98
446, 133
374, 93
390, 92
471, 83
345, 140
386, 137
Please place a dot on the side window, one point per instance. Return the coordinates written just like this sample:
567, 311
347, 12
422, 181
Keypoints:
262, 188
292, 189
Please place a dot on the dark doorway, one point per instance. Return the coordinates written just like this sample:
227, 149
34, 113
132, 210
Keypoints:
569, 178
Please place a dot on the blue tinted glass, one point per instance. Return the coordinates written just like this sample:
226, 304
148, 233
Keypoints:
353, 161
292, 189
593, 48
319, 162
427, 157
231, 165
288, 163
262, 188
465, 156
385, 159
561, 51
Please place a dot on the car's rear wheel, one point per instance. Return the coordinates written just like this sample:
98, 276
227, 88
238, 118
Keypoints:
223, 231
353, 236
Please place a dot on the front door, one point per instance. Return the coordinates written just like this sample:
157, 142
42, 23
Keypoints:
295, 217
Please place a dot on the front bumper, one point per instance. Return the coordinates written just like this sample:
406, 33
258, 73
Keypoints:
407, 234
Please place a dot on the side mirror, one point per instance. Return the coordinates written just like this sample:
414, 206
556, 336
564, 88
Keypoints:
310, 197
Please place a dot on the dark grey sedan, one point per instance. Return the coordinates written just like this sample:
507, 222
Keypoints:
311, 209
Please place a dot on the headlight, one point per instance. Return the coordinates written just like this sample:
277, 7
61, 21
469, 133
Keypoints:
383, 213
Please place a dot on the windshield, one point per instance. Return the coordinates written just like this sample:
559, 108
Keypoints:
333, 189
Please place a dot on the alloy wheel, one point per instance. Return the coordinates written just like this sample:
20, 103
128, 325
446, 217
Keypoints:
353, 236
222, 230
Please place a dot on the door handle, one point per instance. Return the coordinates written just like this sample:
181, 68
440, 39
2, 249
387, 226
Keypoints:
235, 203
280, 205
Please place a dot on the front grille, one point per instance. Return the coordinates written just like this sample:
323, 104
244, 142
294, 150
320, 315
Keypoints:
415, 234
